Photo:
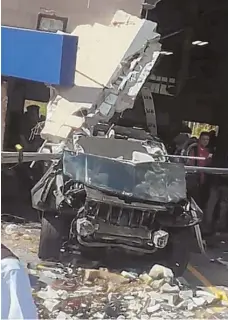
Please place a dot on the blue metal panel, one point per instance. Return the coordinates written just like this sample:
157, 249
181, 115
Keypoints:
39, 56
68, 52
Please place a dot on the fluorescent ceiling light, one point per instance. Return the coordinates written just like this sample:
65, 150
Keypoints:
196, 42
203, 43
166, 53
199, 43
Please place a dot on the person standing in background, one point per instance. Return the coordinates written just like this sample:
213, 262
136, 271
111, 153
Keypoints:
198, 188
217, 204
213, 141
202, 151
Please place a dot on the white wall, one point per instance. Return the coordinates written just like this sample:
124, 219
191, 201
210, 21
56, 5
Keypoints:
23, 13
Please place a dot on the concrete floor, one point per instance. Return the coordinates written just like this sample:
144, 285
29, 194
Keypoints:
207, 265
203, 270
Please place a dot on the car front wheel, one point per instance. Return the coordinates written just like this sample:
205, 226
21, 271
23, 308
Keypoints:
176, 254
53, 231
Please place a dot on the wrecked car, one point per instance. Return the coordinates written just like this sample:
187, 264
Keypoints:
116, 194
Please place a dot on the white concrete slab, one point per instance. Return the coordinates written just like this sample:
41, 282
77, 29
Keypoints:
113, 63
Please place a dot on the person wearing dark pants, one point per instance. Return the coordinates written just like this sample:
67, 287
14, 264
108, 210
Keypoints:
218, 199
197, 183
223, 209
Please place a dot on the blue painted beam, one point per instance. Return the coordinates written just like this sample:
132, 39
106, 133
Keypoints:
38, 56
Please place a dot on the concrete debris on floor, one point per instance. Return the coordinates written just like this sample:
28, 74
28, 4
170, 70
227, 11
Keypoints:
22, 239
221, 261
81, 290
77, 293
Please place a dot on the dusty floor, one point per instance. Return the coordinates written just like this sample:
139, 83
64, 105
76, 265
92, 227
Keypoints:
212, 276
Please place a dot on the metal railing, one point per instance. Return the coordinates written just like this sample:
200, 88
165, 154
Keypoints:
17, 157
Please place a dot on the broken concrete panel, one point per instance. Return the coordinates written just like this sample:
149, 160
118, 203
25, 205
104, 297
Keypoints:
157, 284
94, 274
172, 299
167, 288
129, 275
67, 119
113, 63
186, 294
161, 272
74, 122
154, 308
57, 131
145, 278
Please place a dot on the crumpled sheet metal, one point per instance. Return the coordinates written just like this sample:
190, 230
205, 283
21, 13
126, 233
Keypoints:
113, 63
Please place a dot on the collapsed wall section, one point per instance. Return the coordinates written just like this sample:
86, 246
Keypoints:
113, 63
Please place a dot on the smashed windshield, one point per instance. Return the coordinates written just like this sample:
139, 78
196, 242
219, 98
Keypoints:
153, 181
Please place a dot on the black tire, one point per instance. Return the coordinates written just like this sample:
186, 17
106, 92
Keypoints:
53, 230
176, 255
95, 254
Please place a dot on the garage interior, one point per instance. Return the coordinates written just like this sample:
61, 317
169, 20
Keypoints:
200, 71
189, 81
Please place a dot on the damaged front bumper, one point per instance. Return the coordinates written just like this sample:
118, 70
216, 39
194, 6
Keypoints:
143, 228
134, 239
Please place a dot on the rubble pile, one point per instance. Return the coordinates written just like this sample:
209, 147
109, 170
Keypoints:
67, 293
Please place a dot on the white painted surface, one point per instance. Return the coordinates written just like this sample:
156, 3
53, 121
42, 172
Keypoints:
24, 13
108, 75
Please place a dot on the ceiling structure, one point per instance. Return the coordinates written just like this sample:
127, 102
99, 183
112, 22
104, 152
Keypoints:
198, 69
200, 92
194, 72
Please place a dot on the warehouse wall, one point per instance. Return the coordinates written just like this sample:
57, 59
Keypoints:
24, 13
